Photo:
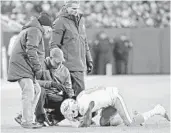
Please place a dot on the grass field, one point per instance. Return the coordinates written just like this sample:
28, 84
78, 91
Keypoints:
140, 93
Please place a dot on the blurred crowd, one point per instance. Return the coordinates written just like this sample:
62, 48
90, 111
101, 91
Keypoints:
120, 14
110, 55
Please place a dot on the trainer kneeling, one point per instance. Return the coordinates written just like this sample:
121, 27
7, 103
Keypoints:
56, 86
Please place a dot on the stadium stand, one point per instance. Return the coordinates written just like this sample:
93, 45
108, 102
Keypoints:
120, 14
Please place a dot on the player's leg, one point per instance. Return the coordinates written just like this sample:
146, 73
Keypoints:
157, 110
122, 110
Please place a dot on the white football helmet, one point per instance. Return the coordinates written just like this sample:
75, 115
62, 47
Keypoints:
69, 108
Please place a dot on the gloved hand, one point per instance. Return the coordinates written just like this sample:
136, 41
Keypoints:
58, 86
89, 66
39, 74
74, 97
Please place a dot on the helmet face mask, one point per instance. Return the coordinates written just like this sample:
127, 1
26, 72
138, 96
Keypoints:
69, 108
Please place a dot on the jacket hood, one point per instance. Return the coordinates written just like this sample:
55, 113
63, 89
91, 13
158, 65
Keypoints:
33, 23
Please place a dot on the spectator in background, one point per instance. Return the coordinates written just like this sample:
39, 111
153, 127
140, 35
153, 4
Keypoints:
98, 13
25, 65
104, 52
122, 46
69, 35
95, 55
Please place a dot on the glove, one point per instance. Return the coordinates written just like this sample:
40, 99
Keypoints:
89, 66
74, 97
58, 86
39, 74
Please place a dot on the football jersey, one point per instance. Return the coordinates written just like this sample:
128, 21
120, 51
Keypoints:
102, 97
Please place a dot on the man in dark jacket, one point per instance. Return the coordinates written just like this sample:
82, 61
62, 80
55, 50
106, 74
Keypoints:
25, 65
104, 52
122, 46
69, 35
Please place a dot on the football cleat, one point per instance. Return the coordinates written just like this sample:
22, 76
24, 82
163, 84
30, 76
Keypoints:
160, 110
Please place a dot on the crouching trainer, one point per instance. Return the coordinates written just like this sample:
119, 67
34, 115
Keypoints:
55, 87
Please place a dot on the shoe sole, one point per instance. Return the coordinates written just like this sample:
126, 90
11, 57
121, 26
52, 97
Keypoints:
18, 121
166, 116
32, 127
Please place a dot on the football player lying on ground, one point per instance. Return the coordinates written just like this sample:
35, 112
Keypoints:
110, 101
55, 87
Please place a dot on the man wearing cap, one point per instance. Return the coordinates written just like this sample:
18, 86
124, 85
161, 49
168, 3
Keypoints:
69, 34
25, 65
56, 86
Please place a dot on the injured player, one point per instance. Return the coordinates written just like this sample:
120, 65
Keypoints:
110, 101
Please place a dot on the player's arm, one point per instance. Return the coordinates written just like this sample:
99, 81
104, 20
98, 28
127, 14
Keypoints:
88, 116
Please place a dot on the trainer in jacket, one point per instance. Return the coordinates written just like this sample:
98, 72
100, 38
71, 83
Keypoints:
60, 75
28, 53
69, 35
56, 86
25, 66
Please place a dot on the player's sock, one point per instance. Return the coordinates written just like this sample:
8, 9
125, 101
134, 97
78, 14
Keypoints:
160, 110
149, 114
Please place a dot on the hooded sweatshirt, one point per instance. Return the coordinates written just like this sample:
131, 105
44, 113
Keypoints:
28, 53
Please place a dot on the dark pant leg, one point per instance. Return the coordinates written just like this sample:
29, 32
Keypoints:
57, 112
55, 104
77, 79
121, 67
118, 66
101, 65
126, 67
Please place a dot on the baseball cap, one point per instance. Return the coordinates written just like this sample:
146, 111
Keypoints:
72, 3
57, 54
45, 19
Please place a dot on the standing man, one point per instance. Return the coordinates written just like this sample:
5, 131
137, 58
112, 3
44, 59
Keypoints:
25, 65
69, 35
104, 52
122, 46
